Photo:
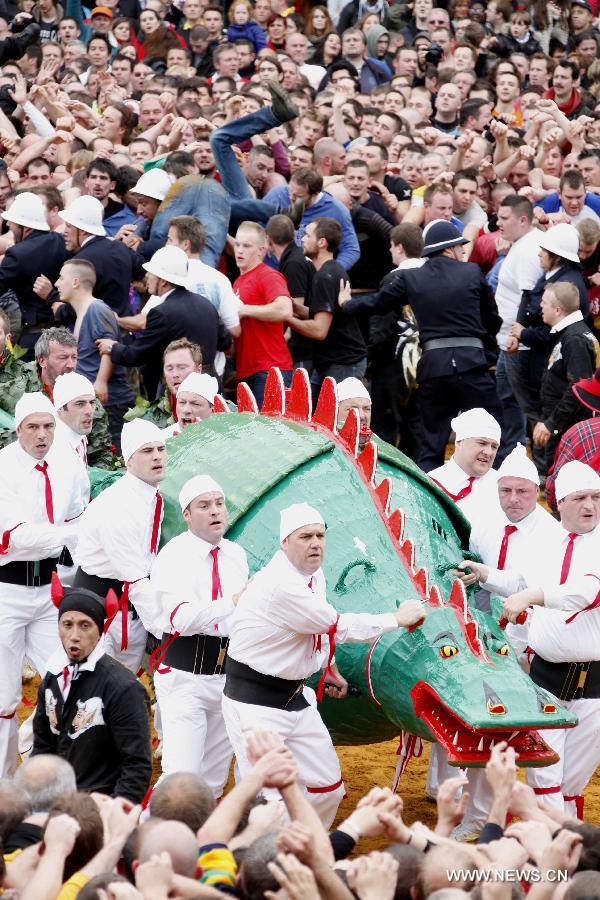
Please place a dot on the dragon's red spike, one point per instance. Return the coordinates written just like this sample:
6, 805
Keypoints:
470, 628
246, 401
384, 492
57, 591
327, 406
422, 581
435, 597
408, 552
350, 432
299, 406
219, 405
396, 523
368, 461
274, 402
111, 604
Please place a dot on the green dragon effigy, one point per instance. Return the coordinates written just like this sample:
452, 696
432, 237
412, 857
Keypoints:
454, 679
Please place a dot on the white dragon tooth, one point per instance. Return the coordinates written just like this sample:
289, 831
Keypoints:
455, 739
492, 744
514, 734
480, 745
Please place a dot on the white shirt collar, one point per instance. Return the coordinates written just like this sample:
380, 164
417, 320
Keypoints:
145, 490
59, 660
568, 320
26, 460
202, 547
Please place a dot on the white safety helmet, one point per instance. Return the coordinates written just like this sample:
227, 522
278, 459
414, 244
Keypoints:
170, 264
28, 210
562, 240
154, 183
86, 214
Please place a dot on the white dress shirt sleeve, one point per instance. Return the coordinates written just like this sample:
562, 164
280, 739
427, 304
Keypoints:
575, 594
290, 610
30, 540
504, 582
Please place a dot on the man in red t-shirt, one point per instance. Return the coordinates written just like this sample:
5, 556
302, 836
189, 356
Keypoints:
265, 306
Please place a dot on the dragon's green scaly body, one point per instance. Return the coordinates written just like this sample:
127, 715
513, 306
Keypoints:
391, 535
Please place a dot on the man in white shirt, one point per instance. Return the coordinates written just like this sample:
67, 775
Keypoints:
196, 577
467, 477
520, 271
39, 494
75, 402
282, 632
516, 536
119, 535
564, 633
195, 402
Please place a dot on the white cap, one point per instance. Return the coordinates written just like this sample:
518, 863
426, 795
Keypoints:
137, 434
350, 388
69, 386
169, 263
154, 183
518, 465
29, 404
85, 213
198, 383
28, 210
195, 487
296, 516
476, 423
575, 476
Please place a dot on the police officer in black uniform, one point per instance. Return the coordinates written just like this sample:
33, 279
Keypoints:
457, 319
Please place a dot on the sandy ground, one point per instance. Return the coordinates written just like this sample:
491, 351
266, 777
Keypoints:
369, 765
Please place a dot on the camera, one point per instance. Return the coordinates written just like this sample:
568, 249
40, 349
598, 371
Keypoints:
434, 54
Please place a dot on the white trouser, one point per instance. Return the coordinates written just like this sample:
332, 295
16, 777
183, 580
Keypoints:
562, 785
304, 733
28, 626
193, 731
132, 657
480, 795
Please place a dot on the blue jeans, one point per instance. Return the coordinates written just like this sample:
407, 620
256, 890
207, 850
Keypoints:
222, 140
514, 431
206, 200
257, 383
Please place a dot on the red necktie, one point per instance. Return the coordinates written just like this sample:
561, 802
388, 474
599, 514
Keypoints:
217, 590
461, 494
566, 563
65, 677
83, 451
508, 530
156, 523
43, 468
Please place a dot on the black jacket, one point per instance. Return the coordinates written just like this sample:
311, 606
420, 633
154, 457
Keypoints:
115, 265
102, 729
450, 299
40, 253
182, 314
572, 357
536, 335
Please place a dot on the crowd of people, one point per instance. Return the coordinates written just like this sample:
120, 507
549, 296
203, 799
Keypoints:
402, 197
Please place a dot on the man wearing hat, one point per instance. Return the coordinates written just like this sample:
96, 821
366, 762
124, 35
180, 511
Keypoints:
36, 251
516, 537
467, 477
195, 401
119, 535
90, 710
352, 394
564, 631
39, 495
196, 577
282, 632
457, 320
582, 440
180, 314
85, 238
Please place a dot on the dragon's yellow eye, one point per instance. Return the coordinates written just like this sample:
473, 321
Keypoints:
448, 650
504, 650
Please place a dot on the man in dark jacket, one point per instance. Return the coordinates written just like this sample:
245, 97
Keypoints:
37, 251
572, 357
178, 313
115, 264
91, 710
458, 319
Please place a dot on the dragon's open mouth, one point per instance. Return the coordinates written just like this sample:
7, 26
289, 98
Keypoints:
470, 746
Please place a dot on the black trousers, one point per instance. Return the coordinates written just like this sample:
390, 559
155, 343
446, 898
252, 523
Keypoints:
440, 399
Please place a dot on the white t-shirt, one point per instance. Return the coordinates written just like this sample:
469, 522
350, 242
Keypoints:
519, 272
